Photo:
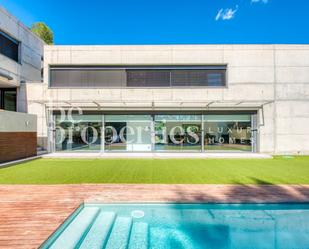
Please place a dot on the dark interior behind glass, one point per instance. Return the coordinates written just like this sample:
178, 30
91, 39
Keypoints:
8, 99
9, 46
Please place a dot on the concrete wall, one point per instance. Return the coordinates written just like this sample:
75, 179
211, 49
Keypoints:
17, 135
291, 110
16, 122
31, 51
260, 74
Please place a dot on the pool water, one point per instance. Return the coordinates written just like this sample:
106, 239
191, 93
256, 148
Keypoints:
179, 226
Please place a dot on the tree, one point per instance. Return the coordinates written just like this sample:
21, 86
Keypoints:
44, 32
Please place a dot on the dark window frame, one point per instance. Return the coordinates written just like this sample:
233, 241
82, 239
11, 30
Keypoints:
222, 69
14, 41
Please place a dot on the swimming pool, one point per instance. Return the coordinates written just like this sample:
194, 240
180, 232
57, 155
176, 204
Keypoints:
177, 226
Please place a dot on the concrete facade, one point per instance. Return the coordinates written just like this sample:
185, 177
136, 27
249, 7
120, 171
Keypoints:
17, 135
272, 79
28, 69
17, 122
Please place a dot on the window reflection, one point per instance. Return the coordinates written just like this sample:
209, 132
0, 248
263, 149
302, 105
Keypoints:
128, 132
178, 132
80, 133
159, 132
227, 132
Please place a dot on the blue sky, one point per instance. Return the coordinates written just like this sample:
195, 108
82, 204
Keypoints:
168, 21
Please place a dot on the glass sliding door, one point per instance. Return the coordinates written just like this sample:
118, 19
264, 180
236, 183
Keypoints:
227, 133
128, 133
178, 132
156, 132
78, 133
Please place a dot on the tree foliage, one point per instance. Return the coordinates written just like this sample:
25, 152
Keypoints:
44, 32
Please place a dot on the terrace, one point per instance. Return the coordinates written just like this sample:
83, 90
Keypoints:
42, 193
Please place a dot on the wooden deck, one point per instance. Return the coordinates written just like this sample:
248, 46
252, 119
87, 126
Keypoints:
30, 213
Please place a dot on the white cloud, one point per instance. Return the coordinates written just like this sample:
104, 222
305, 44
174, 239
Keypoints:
259, 1
227, 14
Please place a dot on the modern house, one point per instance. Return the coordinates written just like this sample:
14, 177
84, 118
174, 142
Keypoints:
185, 98
21, 56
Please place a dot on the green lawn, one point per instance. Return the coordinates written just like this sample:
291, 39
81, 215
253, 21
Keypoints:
216, 171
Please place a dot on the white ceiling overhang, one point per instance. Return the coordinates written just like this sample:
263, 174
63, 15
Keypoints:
99, 104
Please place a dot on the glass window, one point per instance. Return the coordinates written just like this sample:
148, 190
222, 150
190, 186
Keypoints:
178, 132
9, 46
174, 76
78, 133
189, 77
227, 132
8, 99
128, 132
216, 79
106, 78
59, 78
157, 132
86, 77
148, 78
69, 78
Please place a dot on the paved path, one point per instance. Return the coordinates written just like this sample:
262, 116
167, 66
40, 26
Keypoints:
30, 213
162, 155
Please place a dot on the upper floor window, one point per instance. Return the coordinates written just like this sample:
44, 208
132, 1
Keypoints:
9, 46
134, 76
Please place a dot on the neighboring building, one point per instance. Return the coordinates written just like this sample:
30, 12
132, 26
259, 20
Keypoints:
195, 98
21, 54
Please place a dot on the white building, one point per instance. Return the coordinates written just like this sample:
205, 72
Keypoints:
193, 98
21, 54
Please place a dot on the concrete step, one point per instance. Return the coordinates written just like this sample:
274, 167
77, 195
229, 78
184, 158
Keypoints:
119, 236
99, 232
71, 236
139, 236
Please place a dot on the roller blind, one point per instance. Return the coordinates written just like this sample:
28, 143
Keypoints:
83, 77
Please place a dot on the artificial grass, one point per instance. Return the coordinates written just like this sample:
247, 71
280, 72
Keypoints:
279, 170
